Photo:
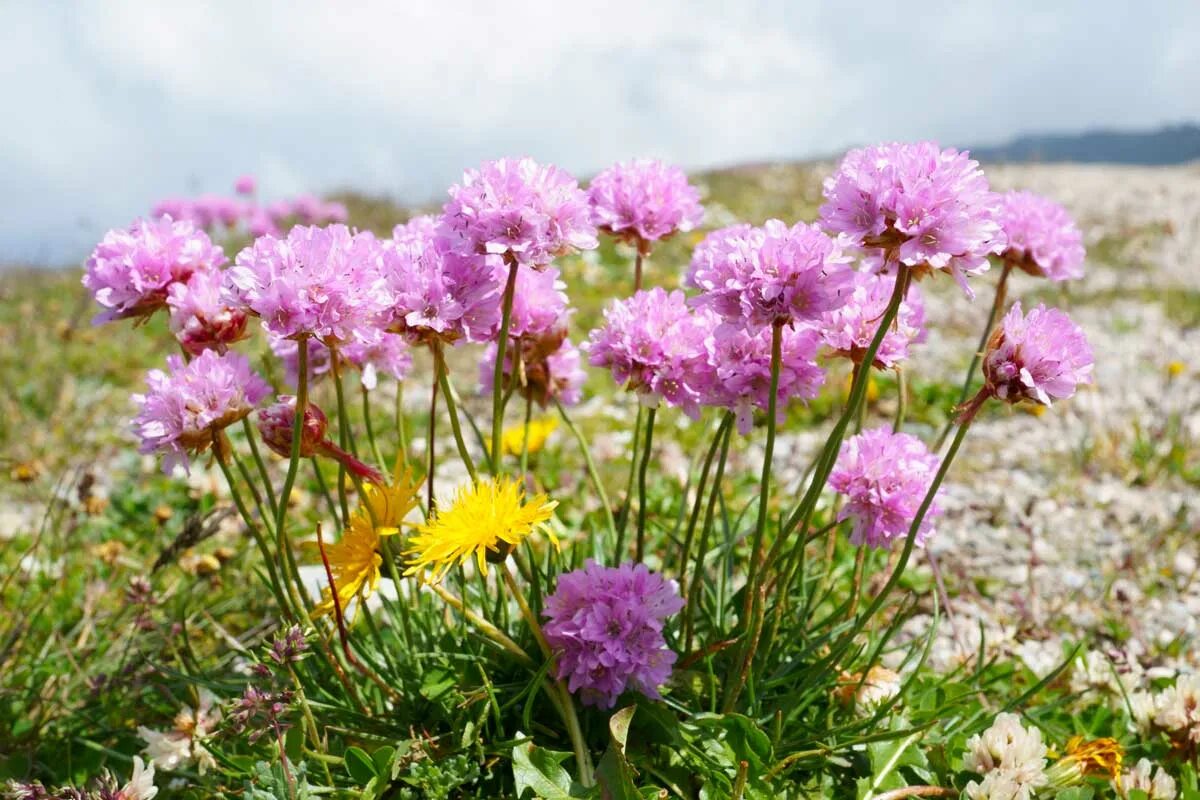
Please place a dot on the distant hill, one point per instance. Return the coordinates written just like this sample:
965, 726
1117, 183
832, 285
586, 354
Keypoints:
1173, 144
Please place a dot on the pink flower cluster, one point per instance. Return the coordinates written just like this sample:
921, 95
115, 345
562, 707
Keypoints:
884, 477
526, 212
130, 272
1039, 356
210, 211
606, 626
437, 294
643, 201
1043, 240
654, 344
915, 204
772, 274
738, 370
187, 406
201, 319
321, 282
849, 330
372, 353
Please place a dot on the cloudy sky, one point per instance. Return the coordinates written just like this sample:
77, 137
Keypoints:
109, 106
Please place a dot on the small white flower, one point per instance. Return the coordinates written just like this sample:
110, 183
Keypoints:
183, 744
1157, 786
1007, 755
880, 686
1177, 709
999, 785
141, 783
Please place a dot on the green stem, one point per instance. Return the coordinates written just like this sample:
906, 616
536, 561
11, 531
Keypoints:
510, 288
686, 551
752, 605
640, 551
593, 473
429, 448
324, 487
977, 358
401, 432
262, 466
627, 503
901, 398
366, 407
637, 269
289, 480
443, 378
343, 429
525, 437
705, 530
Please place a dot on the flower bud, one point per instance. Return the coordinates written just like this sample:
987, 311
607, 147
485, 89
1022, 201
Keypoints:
276, 423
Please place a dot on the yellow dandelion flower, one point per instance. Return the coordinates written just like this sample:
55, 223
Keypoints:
513, 437
353, 562
1087, 757
388, 505
1175, 369
490, 516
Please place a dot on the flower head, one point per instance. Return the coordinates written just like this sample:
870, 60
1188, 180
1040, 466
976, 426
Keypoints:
773, 274
523, 211
188, 406
915, 204
850, 329
322, 282
1041, 356
539, 303
643, 201
183, 745
1043, 240
381, 352
435, 293
739, 366
200, 317
275, 425
1087, 757
516, 438
485, 520
1006, 754
606, 623
654, 345
354, 562
130, 271
884, 477
1157, 784
551, 367
245, 184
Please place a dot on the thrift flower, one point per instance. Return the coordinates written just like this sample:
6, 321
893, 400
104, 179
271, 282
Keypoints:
1040, 356
849, 330
773, 274
539, 303
606, 624
275, 425
884, 477
437, 294
654, 345
643, 201
322, 282
200, 318
130, 271
551, 367
526, 212
186, 407
915, 204
382, 352
739, 370
245, 184
1043, 240
485, 521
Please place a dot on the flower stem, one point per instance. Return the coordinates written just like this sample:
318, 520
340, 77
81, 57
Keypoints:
486, 628
752, 607
510, 288
366, 407
289, 480
977, 358
262, 466
686, 550
901, 398
693, 598
640, 551
637, 269
593, 473
443, 378
623, 514
429, 448
525, 439
343, 429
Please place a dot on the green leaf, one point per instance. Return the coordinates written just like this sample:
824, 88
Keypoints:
540, 771
614, 774
888, 756
359, 765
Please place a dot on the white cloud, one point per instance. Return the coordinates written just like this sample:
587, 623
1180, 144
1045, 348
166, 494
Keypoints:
113, 105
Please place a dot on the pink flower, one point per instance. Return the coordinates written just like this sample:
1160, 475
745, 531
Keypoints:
884, 477
1040, 356
275, 425
322, 282
850, 329
1043, 240
130, 271
606, 624
245, 184
437, 294
915, 204
539, 302
526, 212
383, 352
654, 344
760, 276
643, 201
288, 351
739, 361
552, 367
200, 318
188, 406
